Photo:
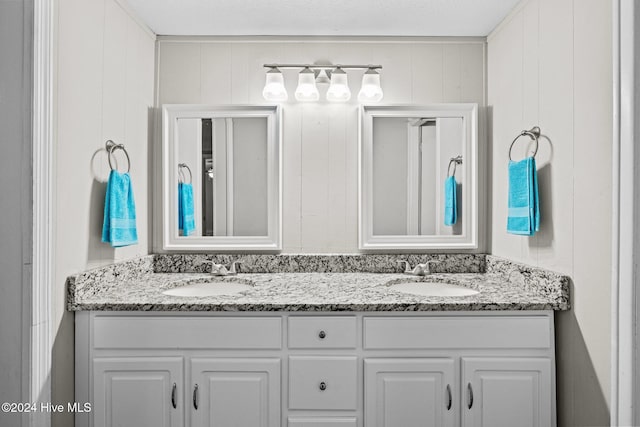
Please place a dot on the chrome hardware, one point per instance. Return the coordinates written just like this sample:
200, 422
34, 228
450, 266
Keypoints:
533, 133
323, 386
111, 147
322, 335
221, 269
470, 395
455, 161
173, 396
449, 397
181, 175
232, 268
419, 270
195, 397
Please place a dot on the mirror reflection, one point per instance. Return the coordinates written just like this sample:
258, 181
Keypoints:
222, 174
221, 177
418, 171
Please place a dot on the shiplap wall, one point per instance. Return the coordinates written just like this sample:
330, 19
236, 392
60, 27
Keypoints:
549, 64
104, 89
320, 206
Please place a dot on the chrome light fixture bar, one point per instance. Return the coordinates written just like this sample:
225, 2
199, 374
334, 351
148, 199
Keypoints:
313, 74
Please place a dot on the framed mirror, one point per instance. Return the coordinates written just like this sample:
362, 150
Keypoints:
418, 177
221, 177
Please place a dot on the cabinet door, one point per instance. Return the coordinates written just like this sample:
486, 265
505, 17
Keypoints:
507, 392
409, 392
138, 391
235, 392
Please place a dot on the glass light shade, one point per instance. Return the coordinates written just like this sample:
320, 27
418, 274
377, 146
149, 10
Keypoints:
339, 89
371, 90
307, 90
274, 89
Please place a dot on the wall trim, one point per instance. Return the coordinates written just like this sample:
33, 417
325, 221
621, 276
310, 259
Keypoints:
319, 39
40, 327
626, 234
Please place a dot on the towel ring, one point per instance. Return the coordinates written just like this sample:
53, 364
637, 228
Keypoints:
533, 133
111, 147
456, 161
180, 167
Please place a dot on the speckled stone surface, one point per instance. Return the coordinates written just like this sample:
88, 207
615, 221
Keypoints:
356, 263
318, 283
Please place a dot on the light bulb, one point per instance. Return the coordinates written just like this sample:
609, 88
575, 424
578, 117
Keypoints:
371, 90
339, 88
307, 90
274, 89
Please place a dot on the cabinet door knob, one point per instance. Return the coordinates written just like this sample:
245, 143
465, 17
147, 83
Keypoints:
470, 390
195, 397
173, 396
323, 386
322, 335
449, 398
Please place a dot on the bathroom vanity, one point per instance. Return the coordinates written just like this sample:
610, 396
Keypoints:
338, 346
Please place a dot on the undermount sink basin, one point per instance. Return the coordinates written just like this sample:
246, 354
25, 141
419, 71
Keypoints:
208, 288
433, 289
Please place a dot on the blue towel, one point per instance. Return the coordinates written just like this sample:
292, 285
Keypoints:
450, 201
524, 204
186, 221
119, 226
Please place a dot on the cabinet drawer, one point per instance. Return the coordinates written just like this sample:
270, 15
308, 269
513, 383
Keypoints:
323, 382
188, 332
457, 332
323, 422
322, 332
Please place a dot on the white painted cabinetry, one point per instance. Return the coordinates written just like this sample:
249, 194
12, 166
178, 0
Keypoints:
444, 369
506, 392
137, 391
235, 392
409, 392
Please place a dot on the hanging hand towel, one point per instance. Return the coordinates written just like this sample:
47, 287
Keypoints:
186, 221
450, 201
524, 204
119, 226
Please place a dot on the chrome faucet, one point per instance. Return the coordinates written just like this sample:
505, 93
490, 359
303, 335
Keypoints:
419, 270
221, 269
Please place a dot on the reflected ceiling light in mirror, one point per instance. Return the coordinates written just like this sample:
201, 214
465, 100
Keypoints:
371, 90
274, 89
339, 88
307, 90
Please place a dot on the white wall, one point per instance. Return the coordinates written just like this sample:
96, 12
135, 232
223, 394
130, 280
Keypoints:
15, 188
104, 90
549, 64
320, 139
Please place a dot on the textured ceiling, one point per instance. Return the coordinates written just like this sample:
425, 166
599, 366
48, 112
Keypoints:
326, 18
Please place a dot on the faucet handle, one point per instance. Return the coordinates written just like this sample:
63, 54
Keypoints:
428, 265
232, 267
407, 266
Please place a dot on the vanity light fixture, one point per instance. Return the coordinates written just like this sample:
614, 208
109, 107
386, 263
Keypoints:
313, 74
274, 89
370, 90
339, 89
307, 89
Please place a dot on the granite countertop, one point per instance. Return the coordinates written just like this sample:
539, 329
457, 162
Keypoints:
337, 283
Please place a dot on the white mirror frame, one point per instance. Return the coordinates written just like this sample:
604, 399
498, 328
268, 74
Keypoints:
469, 237
170, 239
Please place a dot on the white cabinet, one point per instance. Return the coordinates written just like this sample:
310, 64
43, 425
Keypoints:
507, 392
235, 392
409, 392
138, 391
444, 369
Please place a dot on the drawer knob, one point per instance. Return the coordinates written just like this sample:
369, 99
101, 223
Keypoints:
322, 335
323, 386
